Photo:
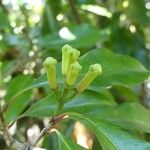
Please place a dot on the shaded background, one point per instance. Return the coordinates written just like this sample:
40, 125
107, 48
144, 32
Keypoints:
31, 30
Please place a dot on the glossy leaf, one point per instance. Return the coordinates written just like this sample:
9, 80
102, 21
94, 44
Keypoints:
66, 144
117, 69
128, 115
17, 106
125, 94
111, 137
87, 102
43, 108
83, 103
17, 84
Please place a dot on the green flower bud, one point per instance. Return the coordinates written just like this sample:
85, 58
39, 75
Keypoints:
65, 54
73, 73
50, 68
94, 71
77, 53
73, 55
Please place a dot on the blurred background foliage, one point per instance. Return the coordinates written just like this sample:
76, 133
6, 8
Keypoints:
31, 30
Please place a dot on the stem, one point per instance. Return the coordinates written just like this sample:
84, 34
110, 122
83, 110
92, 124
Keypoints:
52, 124
72, 96
43, 132
56, 93
50, 17
65, 91
10, 141
5, 129
3, 7
61, 100
59, 108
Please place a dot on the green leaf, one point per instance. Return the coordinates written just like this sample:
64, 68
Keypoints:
4, 23
8, 67
40, 82
111, 137
17, 84
67, 144
20, 102
125, 94
138, 15
43, 108
87, 101
83, 103
117, 69
128, 115
81, 36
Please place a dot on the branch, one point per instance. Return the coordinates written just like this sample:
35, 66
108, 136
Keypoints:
7, 136
74, 11
54, 120
43, 132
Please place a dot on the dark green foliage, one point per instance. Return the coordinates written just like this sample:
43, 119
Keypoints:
114, 34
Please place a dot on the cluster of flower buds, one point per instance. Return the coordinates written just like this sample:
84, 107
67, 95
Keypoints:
69, 56
70, 69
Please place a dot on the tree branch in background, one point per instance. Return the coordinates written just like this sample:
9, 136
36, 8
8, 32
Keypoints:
3, 7
74, 11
